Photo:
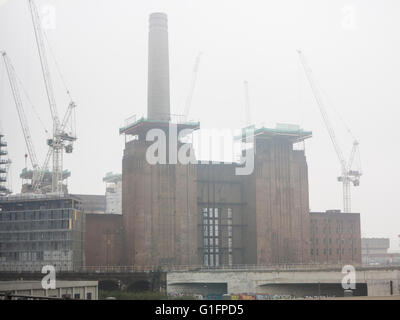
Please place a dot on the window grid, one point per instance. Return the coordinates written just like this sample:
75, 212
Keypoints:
211, 236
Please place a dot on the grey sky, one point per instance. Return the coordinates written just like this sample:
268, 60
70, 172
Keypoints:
101, 46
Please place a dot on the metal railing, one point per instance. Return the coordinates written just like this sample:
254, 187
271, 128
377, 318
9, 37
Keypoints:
202, 268
11, 296
173, 118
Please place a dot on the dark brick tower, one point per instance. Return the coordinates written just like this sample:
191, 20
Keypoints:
277, 202
158, 200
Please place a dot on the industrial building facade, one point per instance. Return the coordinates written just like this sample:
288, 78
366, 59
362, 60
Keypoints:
335, 238
181, 214
103, 239
191, 214
375, 252
159, 209
261, 218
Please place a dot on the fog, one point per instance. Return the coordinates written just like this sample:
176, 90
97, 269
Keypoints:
101, 48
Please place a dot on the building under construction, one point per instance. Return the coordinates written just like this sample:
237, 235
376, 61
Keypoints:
38, 230
186, 214
4, 165
28, 180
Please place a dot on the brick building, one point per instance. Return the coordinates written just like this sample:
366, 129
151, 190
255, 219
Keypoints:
335, 237
186, 214
103, 232
276, 196
261, 218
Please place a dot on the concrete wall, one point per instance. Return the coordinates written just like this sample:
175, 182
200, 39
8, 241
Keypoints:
297, 283
114, 198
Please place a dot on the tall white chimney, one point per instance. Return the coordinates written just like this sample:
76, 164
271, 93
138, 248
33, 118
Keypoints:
158, 100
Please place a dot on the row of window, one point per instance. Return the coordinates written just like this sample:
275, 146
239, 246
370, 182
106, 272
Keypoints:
329, 251
314, 229
36, 215
78, 296
63, 255
327, 226
36, 225
32, 245
41, 205
213, 260
213, 213
329, 241
21, 236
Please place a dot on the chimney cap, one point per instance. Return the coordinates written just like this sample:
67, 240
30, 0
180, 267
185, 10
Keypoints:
158, 14
158, 19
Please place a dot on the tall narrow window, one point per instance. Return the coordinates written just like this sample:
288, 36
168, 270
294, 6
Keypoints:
230, 246
211, 236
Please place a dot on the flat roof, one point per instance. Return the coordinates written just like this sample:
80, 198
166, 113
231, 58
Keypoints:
291, 132
21, 197
92, 203
144, 124
112, 177
335, 213
27, 285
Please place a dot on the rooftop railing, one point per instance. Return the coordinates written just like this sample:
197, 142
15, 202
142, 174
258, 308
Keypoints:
173, 118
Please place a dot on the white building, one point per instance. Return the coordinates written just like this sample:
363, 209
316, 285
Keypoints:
84, 290
113, 193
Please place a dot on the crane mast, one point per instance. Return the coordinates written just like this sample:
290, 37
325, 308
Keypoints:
44, 63
348, 176
60, 137
21, 114
189, 98
247, 103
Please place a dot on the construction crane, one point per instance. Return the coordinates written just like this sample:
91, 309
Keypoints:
22, 117
189, 98
61, 140
348, 176
247, 103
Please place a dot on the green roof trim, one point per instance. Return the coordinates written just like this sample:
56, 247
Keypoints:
143, 119
112, 176
289, 130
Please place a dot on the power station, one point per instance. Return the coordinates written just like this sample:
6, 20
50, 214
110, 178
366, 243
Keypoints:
170, 215
192, 214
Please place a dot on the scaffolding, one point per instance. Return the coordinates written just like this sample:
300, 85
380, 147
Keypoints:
28, 176
4, 167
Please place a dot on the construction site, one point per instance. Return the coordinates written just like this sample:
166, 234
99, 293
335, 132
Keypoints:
168, 215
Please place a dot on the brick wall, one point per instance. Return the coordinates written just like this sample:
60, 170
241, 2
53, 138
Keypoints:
103, 239
335, 238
